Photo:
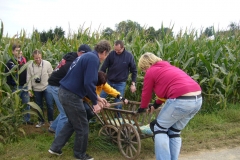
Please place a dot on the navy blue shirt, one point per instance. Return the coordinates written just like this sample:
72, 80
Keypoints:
82, 76
118, 66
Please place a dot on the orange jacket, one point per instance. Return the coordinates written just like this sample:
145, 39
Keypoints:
105, 87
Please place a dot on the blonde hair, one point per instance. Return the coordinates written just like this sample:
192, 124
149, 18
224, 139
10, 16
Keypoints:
147, 59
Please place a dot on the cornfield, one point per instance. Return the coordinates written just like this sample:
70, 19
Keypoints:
214, 64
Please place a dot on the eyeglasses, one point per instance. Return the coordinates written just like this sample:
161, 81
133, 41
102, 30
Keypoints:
119, 51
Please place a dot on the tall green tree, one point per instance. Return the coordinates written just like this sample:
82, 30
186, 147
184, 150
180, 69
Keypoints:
55, 34
151, 34
107, 33
233, 26
162, 32
209, 31
58, 33
127, 26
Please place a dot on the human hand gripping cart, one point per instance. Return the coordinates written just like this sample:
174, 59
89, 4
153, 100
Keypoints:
126, 127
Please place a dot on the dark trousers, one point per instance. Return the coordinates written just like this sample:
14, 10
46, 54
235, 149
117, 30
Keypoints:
23, 94
77, 121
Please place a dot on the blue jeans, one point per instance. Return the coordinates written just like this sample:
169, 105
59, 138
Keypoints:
38, 96
120, 87
176, 113
77, 121
61, 119
23, 94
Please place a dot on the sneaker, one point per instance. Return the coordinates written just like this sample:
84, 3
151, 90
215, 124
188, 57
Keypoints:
59, 153
40, 124
50, 123
87, 157
51, 130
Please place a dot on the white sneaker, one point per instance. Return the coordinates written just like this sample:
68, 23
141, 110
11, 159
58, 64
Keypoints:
51, 130
50, 123
40, 124
59, 153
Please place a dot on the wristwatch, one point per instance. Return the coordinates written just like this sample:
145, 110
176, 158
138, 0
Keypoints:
133, 84
121, 98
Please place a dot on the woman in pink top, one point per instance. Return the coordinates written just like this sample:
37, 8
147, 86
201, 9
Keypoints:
183, 101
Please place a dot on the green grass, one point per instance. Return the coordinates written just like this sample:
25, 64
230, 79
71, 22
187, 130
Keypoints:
213, 130
205, 131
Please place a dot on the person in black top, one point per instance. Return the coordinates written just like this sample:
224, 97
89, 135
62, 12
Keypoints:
118, 65
22, 78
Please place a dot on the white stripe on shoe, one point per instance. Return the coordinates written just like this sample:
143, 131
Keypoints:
56, 153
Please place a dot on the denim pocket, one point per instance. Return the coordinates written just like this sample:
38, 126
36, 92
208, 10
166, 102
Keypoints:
185, 108
179, 113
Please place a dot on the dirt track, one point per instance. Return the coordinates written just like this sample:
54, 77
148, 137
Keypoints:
218, 154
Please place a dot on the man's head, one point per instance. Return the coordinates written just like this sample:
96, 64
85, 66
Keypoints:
37, 57
119, 47
103, 48
84, 48
16, 50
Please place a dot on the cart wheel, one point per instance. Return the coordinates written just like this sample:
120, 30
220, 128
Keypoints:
109, 132
129, 141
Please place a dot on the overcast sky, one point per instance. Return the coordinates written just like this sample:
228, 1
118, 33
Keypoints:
71, 14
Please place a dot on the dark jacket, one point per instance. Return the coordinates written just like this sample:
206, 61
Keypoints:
62, 68
22, 77
82, 76
118, 66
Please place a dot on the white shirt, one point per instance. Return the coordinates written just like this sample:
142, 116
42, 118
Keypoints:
42, 71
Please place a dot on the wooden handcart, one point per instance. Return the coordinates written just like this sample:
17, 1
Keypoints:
126, 127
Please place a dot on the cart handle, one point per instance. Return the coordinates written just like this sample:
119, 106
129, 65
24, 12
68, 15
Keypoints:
129, 102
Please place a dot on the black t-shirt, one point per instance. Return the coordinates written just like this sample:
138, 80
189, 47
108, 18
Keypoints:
62, 68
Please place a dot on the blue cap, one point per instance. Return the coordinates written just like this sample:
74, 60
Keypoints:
84, 48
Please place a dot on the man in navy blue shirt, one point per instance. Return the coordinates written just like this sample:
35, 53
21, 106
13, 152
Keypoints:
54, 82
118, 65
80, 81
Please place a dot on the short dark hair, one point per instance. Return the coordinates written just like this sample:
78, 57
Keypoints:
102, 78
36, 52
119, 42
15, 46
103, 46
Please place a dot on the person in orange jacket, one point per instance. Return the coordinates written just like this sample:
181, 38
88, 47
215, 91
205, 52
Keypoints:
102, 85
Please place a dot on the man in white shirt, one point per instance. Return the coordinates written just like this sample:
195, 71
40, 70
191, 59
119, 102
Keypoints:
38, 73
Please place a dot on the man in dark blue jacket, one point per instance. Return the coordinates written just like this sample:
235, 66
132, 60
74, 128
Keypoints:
80, 81
54, 83
118, 65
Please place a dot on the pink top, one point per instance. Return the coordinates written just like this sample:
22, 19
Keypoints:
166, 81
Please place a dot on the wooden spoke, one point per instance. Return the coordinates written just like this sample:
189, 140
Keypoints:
109, 132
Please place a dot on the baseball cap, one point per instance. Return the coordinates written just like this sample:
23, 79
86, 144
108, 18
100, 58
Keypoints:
84, 48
